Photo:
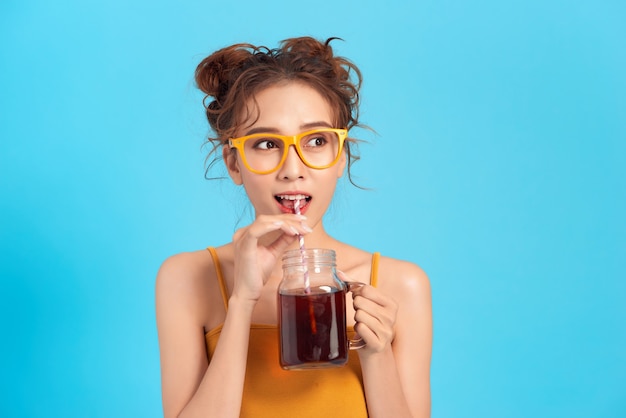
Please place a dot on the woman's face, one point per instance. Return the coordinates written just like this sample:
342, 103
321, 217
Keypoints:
288, 109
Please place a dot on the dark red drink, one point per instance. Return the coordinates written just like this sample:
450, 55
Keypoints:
312, 328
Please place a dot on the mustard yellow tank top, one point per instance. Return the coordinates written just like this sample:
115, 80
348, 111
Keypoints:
270, 391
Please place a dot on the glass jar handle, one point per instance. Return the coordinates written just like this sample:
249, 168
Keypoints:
355, 287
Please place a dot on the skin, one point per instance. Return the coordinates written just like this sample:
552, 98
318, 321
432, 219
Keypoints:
394, 318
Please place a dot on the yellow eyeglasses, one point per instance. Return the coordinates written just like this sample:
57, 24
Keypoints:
265, 153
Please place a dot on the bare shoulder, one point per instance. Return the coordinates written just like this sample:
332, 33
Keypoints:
183, 271
403, 279
186, 283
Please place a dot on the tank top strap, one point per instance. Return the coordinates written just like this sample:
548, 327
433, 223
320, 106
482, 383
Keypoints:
374, 273
220, 276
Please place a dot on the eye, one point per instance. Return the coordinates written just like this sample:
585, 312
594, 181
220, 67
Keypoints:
266, 144
313, 141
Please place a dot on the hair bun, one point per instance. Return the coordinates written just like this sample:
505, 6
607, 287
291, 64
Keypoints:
217, 72
309, 47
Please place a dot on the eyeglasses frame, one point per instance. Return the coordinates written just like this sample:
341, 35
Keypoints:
288, 140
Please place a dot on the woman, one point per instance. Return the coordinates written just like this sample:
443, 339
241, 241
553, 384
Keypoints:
216, 309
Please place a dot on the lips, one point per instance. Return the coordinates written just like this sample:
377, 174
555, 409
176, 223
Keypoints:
288, 201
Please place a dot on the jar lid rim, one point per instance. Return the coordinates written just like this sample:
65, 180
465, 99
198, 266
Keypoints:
319, 255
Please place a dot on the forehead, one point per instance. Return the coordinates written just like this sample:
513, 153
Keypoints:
286, 107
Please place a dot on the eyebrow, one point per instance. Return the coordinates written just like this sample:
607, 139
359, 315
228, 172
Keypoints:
304, 127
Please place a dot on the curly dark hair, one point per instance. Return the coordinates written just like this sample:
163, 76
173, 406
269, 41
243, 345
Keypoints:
232, 76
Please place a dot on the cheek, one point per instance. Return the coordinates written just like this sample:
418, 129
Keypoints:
255, 186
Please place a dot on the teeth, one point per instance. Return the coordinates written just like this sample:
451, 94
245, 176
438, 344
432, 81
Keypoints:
292, 197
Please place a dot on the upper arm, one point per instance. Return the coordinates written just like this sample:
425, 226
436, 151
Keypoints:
412, 345
179, 313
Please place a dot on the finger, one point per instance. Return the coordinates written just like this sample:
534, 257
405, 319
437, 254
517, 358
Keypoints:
343, 276
372, 342
386, 315
382, 332
265, 224
289, 223
293, 228
247, 237
375, 295
362, 301
375, 317
353, 287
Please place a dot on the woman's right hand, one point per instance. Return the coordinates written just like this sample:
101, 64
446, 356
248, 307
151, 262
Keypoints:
258, 247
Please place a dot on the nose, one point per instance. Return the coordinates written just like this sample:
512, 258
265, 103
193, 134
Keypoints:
293, 167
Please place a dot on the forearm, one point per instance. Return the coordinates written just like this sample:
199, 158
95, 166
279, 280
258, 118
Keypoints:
221, 389
383, 388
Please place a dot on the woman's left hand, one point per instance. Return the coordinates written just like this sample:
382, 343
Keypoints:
375, 316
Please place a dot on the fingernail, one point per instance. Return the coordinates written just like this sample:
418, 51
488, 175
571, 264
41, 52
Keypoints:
294, 230
301, 217
279, 223
306, 227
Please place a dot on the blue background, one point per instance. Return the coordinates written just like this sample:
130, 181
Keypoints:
499, 167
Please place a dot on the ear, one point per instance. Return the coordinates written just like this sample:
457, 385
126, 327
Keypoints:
341, 164
232, 164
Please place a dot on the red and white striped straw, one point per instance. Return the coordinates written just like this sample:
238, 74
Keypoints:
307, 284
